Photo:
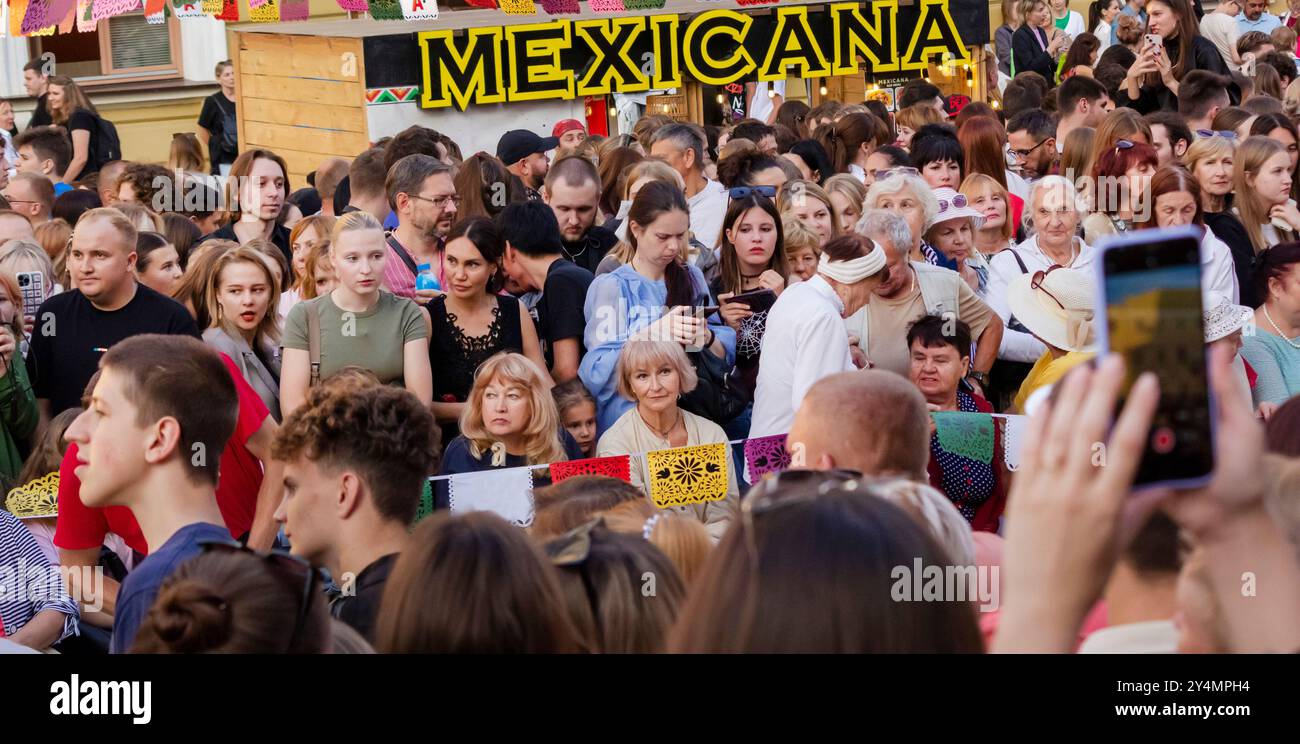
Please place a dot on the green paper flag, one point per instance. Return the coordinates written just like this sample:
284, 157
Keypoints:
969, 435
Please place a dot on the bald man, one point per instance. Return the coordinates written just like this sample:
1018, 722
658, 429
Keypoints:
871, 421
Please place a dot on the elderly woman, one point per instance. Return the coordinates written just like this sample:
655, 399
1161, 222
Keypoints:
653, 374
1053, 214
940, 360
953, 233
805, 338
1057, 306
903, 191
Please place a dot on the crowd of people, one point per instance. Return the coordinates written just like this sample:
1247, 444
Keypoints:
235, 423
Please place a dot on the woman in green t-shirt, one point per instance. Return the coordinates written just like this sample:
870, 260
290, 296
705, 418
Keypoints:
360, 324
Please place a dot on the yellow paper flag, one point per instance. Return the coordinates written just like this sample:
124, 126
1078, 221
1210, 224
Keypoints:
268, 12
688, 475
518, 7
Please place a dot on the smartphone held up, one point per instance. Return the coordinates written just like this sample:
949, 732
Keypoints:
1150, 286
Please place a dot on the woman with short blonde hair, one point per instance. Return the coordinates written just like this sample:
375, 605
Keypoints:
987, 196
846, 194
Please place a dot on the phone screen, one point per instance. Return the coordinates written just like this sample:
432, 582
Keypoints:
1154, 320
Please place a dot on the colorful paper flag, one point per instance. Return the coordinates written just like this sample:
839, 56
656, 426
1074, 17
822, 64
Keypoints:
1013, 439
643, 4
154, 7
968, 435
561, 7
688, 475
354, 6
419, 10
518, 7
229, 11
385, 10
189, 10
605, 6
267, 12
213, 7
614, 467
36, 17
109, 8
256, 3
765, 455
508, 493
86, 22
294, 10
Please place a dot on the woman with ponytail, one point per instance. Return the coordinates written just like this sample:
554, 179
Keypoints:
654, 296
851, 140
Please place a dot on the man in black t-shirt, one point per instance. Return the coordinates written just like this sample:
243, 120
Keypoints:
572, 190
535, 260
350, 491
36, 82
72, 330
217, 123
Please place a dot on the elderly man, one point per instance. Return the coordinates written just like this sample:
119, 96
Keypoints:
913, 290
1054, 211
682, 146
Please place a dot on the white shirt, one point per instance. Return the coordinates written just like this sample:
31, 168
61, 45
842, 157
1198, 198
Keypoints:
1074, 24
761, 107
803, 342
857, 172
1018, 346
1218, 272
1152, 637
1102, 32
708, 209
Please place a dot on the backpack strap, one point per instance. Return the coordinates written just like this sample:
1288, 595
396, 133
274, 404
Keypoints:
313, 341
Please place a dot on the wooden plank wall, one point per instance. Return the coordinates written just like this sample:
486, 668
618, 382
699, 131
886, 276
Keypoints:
301, 96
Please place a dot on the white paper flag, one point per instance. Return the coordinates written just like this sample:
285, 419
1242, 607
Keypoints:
419, 9
1013, 439
508, 493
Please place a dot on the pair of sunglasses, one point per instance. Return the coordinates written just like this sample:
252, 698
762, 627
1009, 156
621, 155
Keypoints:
1036, 282
902, 170
743, 192
292, 565
958, 202
1225, 133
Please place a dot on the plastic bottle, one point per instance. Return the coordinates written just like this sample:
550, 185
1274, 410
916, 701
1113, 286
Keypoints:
426, 279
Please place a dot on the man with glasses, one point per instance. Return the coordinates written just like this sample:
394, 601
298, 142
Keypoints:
31, 195
1031, 136
151, 441
422, 193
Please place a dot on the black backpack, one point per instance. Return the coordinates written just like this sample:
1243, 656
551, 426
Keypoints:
105, 147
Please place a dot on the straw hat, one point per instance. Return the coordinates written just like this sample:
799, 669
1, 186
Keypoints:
1225, 318
949, 199
1057, 306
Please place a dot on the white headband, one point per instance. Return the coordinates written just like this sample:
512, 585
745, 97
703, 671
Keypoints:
853, 270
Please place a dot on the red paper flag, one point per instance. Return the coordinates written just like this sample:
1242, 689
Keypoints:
614, 467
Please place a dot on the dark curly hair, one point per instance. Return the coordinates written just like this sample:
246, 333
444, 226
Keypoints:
381, 432
142, 177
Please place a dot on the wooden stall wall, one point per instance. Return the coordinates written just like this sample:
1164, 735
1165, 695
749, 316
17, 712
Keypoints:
301, 96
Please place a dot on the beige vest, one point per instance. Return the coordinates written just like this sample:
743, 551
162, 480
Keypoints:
938, 292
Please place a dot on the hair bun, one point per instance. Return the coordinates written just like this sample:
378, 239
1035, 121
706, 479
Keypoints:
190, 617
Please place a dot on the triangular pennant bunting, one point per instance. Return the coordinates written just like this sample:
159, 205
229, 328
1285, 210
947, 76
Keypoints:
354, 6
508, 493
267, 12
85, 16
614, 467
688, 475
561, 7
109, 8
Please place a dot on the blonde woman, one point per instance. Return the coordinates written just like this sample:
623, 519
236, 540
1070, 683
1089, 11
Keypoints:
810, 204
1261, 182
18, 256
846, 194
509, 420
802, 249
358, 323
997, 231
1211, 160
241, 297
653, 374
912, 118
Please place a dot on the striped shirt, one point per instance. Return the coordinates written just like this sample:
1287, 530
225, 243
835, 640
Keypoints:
398, 277
29, 583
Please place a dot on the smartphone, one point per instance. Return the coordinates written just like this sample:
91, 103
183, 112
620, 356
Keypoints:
31, 285
704, 312
1152, 40
758, 300
1150, 286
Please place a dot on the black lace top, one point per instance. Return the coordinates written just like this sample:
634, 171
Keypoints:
454, 356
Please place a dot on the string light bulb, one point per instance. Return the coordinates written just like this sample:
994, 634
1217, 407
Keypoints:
613, 111
720, 98
824, 91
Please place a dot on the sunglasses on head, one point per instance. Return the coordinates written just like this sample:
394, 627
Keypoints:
902, 170
294, 566
743, 192
1225, 133
1123, 145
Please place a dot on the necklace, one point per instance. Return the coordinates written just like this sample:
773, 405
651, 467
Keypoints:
662, 434
574, 256
1280, 334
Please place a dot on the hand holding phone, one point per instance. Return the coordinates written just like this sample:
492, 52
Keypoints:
1152, 40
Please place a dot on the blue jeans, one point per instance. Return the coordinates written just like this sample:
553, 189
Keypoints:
738, 428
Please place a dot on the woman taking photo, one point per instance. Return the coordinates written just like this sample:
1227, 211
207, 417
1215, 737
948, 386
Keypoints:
653, 375
356, 324
1273, 351
72, 110
508, 420
1210, 161
1152, 83
1261, 183
997, 231
241, 298
473, 321
752, 259
1032, 49
811, 205
1122, 178
652, 296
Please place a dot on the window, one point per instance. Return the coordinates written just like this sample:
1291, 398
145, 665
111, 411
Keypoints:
124, 47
